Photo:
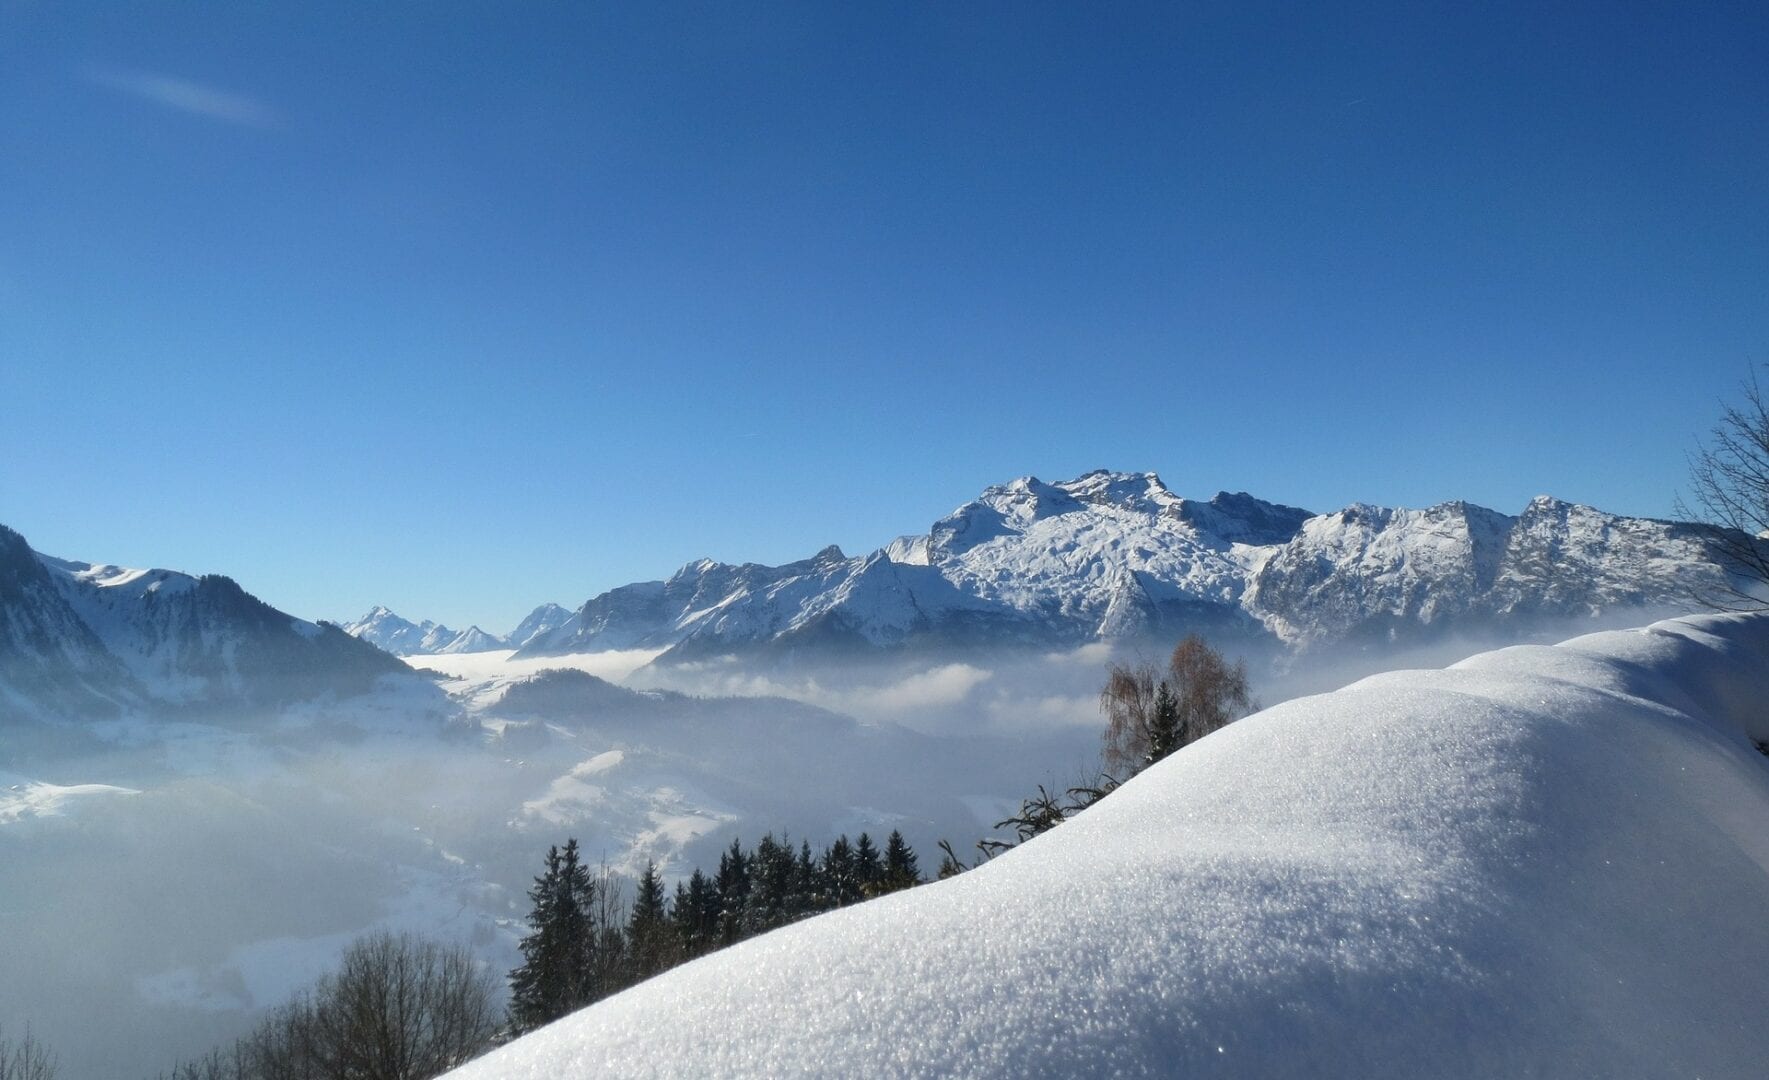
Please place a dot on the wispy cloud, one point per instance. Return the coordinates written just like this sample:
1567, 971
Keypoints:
183, 95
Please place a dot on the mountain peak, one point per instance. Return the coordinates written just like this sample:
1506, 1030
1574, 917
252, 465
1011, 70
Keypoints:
1110, 554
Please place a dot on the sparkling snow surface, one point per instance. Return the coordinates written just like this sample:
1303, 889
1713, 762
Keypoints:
1543, 861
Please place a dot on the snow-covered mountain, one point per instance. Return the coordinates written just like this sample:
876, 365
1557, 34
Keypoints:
79, 639
542, 620
1119, 556
1543, 861
402, 637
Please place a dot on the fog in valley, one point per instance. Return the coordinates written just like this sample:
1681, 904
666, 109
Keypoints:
168, 881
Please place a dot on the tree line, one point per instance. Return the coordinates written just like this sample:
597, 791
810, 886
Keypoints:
401, 1007
581, 949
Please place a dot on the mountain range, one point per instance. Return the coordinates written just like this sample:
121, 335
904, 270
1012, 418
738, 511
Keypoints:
1118, 556
402, 637
1104, 557
79, 639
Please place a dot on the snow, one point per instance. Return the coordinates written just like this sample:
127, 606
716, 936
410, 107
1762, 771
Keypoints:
1119, 556
402, 637
1542, 861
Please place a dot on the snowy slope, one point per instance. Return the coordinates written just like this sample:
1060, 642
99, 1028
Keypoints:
542, 620
1543, 861
1119, 556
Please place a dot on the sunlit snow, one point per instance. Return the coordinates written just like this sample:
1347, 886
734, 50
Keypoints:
1545, 860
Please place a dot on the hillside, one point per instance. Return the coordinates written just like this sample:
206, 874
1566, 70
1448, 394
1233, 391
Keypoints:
1542, 861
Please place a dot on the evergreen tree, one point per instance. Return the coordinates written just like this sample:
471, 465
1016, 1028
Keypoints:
772, 870
1164, 733
681, 921
807, 898
840, 884
647, 927
558, 955
696, 915
733, 891
900, 870
868, 869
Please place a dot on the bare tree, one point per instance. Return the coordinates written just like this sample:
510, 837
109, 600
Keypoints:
1128, 701
1150, 713
26, 1059
1729, 478
401, 1008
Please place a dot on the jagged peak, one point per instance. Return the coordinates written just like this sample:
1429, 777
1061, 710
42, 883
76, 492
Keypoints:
1549, 504
1361, 513
697, 568
1131, 490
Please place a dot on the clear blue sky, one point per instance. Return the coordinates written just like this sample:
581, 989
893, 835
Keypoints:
466, 307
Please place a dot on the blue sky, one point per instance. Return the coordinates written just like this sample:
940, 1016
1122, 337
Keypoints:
463, 308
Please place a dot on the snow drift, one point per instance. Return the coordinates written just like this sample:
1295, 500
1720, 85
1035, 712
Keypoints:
1543, 861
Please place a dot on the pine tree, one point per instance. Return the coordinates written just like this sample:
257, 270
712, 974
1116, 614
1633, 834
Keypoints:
647, 928
681, 921
558, 955
696, 915
772, 869
840, 884
733, 891
1164, 733
900, 870
807, 898
868, 870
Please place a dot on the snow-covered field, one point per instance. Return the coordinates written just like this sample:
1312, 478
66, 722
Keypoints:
1542, 861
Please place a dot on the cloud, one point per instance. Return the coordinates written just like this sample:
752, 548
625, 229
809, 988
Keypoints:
895, 699
183, 95
939, 686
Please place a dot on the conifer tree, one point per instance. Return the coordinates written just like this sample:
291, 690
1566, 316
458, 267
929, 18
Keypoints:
647, 927
772, 869
807, 898
868, 870
840, 884
680, 920
733, 891
558, 955
1164, 730
697, 920
900, 870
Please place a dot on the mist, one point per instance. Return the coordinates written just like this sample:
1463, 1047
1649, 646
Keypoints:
177, 879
